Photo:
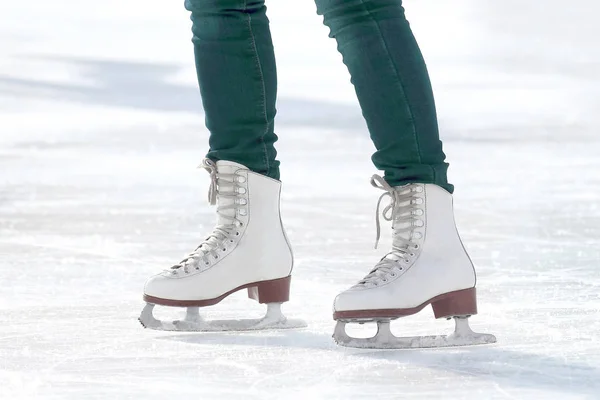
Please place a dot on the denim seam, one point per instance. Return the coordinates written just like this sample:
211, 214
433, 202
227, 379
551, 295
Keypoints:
412, 118
264, 90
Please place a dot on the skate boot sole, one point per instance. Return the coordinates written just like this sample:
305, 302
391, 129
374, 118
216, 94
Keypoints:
272, 291
459, 302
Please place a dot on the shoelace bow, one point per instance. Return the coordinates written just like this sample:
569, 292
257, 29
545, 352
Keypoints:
214, 242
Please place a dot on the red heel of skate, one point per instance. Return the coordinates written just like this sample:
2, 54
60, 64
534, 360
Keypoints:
274, 291
460, 303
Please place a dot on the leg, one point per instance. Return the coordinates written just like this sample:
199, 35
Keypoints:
236, 70
248, 249
427, 263
393, 87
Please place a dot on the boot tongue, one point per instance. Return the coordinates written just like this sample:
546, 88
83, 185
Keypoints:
401, 228
400, 225
226, 185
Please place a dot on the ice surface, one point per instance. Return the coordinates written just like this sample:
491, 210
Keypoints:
100, 133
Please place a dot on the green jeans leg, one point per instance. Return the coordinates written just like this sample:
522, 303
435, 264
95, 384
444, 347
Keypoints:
393, 88
236, 70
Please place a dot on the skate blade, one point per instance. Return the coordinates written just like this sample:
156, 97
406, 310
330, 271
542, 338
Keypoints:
274, 320
384, 339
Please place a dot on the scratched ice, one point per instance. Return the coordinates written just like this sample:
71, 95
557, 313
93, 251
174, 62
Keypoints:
100, 132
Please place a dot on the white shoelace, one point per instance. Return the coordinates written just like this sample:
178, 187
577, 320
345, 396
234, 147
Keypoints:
401, 211
216, 242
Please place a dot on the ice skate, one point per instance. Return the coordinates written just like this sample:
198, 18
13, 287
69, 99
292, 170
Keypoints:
427, 265
248, 249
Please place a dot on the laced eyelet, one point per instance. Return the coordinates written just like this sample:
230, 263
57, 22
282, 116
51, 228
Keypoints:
241, 179
241, 190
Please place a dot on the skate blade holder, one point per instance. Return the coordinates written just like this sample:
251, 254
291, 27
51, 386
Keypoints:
463, 335
193, 322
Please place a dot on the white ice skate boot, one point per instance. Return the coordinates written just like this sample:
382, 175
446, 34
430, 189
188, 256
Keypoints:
248, 249
427, 265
